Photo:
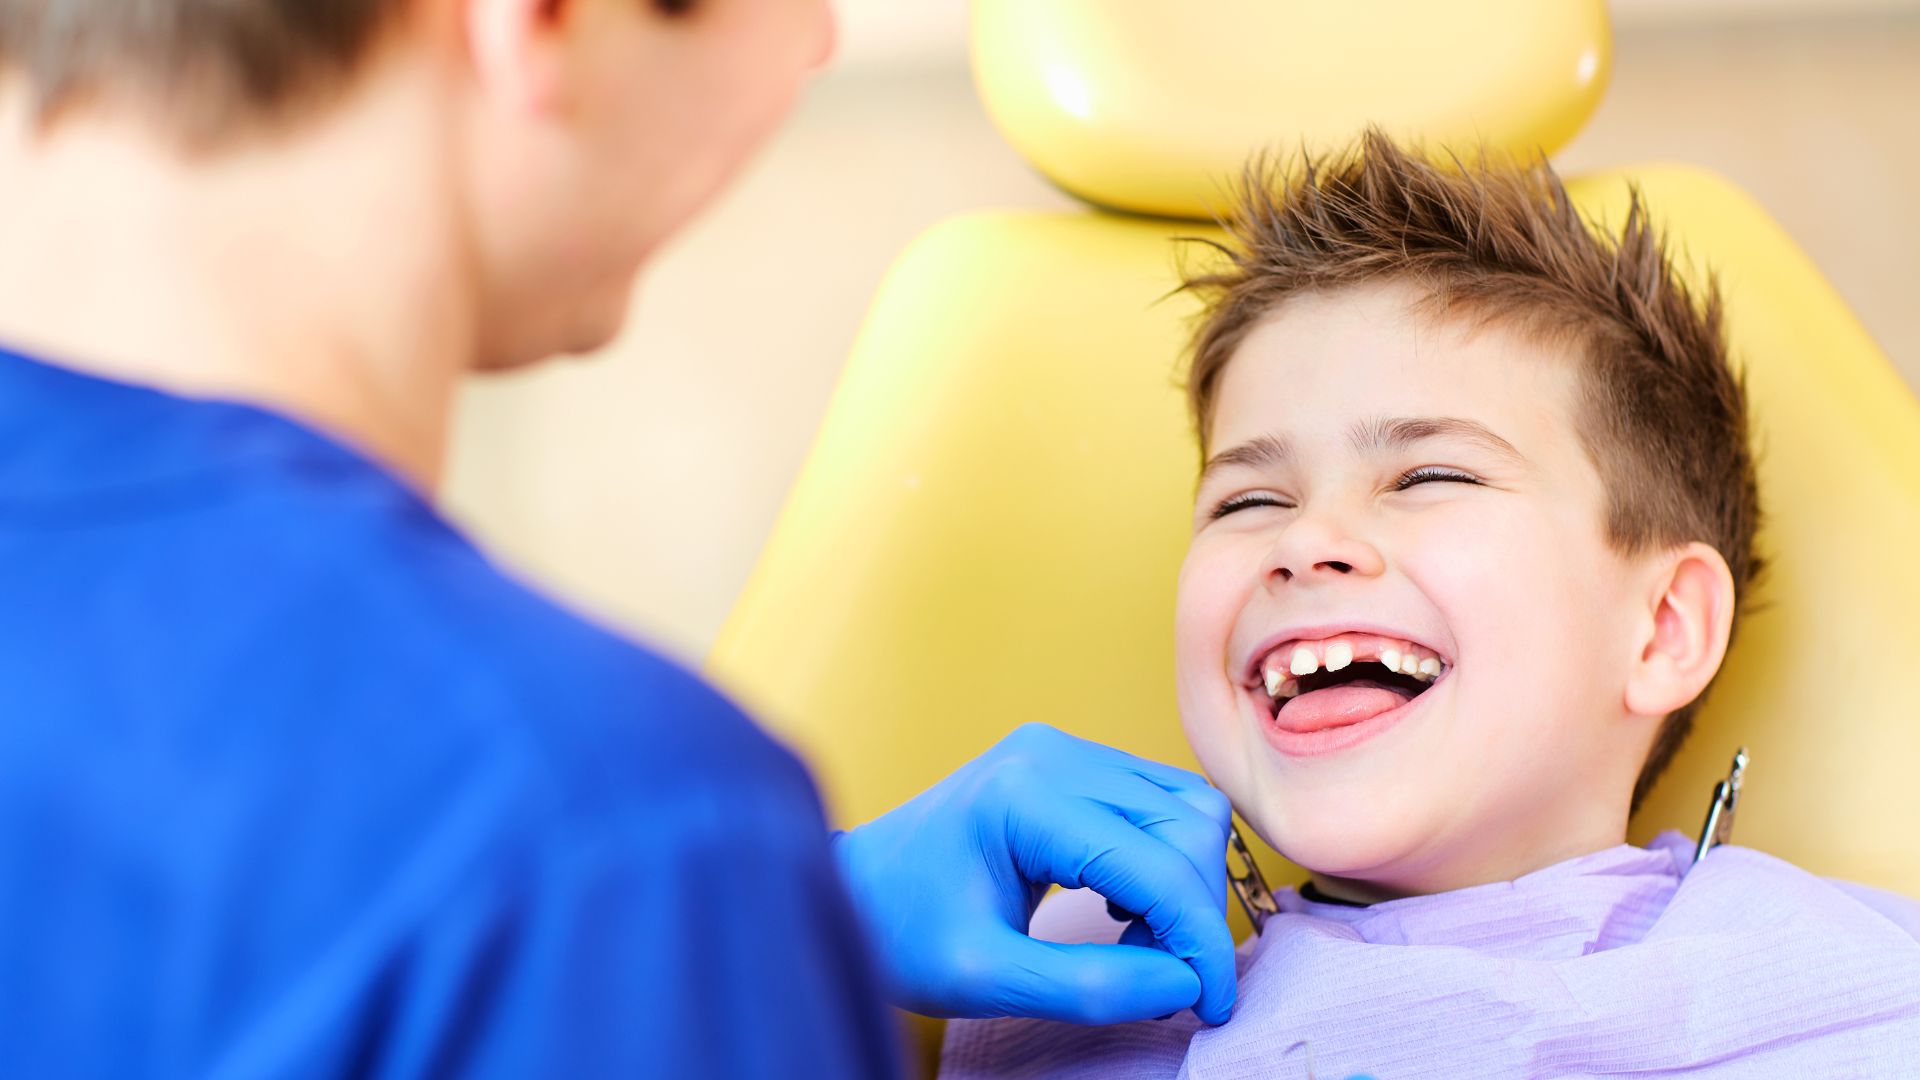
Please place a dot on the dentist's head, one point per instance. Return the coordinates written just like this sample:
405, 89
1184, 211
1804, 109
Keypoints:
443, 184
579, 133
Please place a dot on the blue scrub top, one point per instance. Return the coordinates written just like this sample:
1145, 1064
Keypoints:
294, 783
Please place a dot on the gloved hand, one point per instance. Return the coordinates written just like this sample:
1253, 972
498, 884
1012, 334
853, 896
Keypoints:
947, 883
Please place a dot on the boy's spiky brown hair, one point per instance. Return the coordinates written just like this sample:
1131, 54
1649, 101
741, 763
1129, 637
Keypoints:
1660, 412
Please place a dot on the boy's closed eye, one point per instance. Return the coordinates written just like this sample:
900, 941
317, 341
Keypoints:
1247, 501
1425, 474
1433, 474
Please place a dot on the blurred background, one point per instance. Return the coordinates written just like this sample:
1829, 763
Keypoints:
639, 484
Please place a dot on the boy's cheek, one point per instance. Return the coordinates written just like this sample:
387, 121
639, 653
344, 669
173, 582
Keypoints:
1209, 717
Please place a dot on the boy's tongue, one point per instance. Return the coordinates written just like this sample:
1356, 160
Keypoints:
1339, 706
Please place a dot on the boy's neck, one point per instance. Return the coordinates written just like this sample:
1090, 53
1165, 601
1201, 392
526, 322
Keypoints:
319, 273
1482, 868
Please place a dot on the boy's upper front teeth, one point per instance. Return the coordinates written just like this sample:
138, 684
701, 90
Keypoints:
1278, 669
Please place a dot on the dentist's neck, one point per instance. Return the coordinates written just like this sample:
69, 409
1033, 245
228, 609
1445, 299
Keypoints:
318, 272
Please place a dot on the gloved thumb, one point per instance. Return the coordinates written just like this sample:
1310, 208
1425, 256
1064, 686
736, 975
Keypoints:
1091, 984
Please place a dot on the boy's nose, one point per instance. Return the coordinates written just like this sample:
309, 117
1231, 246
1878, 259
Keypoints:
1315, 547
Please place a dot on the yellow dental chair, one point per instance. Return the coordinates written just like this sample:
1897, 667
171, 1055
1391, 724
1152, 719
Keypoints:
989, 526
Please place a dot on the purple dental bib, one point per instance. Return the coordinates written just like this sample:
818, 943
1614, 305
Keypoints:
1611, 964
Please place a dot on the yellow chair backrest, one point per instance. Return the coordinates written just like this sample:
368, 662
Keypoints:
988, 529
1145, 105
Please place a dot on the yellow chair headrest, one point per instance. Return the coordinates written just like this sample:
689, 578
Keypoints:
1153, 107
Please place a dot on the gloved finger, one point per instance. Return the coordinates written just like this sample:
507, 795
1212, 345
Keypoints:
1185, 783
1049, 748
1136, 932
1099, 754
1191, 788
1087, 846
1176, 806
1051, 744
1090, 984
1139, 933
1175, 822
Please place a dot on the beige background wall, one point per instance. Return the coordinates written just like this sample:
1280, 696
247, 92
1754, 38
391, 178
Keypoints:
639, 484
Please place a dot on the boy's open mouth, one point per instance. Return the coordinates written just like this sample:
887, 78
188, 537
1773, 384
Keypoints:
1313, 685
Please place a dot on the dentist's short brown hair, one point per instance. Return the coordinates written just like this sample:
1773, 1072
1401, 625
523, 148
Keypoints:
1662, 414
204, 70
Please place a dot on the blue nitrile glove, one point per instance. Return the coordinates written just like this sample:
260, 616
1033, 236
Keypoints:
946, 885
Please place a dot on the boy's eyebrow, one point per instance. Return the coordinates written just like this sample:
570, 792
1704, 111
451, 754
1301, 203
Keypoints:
1258, 452
1399, 432
1372, 436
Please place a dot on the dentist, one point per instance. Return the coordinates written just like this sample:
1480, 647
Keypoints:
293, 781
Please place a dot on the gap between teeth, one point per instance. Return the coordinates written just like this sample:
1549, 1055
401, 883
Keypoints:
1340, 655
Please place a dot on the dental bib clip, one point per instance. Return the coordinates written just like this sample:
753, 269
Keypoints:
1248, 883
1726, 796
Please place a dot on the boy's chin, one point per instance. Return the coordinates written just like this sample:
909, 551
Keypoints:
1380, 845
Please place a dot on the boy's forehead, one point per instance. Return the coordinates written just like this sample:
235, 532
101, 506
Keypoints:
1322, 364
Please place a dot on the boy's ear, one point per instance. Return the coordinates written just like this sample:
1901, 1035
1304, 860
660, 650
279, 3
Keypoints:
519, 49
1691, 604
